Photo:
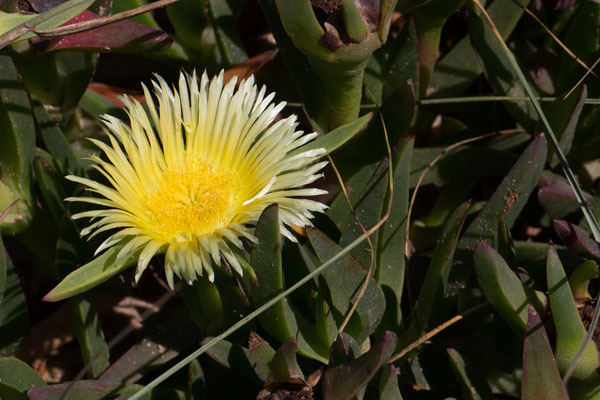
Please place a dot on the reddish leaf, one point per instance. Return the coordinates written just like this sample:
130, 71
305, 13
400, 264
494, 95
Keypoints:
120, 37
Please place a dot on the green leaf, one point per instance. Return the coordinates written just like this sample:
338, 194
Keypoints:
563, 116
165, 341
541, 379
390, 259
229, 41
280, 321
93, 390
503, 243
344, 279
335, 138
388, 383
237, 358
344, 381
429, 19
262, 354
499, 72
284, 367
94, 349
501, 286
580, 280
429, 310
458, 69
581, 38
510, 197
204, 304
19, 376
3, 268
196, 382
16, 149
55, 141
473, 385
14, 318
307, 81
92, 274
402, 60
570, 332
459, 164
50, 184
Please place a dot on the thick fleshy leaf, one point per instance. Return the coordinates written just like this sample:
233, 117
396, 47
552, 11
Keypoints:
16, 378
388, 383
455, 72
120, 37
344, 381
50, 183
504, 244
196, 382
430, 17
94, 349
262, 354
541, 379
473, 385
236, 358
570, 332
14, 317
344, 279
501, 286
580, 37
459, 164
205, 305
499, 73
576, 239
166, 340
558, 199
402, 60
92, 390
429, 310
3, 268
510, 196
16, 149
58, 78
280, 321
580, 280
307, 81
343, 349
337, 137
284, 367
92, 274
563, 116
55, 141
391, 237
228, 39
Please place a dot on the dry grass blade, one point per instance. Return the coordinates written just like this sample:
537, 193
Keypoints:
580, 81
435, 331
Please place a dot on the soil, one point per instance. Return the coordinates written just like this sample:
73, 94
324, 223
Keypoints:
586, 313
305, 393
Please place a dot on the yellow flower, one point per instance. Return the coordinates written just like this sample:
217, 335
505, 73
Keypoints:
191, 176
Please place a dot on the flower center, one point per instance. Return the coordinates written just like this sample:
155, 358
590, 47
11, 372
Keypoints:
194, 198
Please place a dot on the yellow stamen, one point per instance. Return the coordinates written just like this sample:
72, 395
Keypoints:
194, 197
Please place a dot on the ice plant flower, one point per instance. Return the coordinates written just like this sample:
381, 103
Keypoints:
190, 177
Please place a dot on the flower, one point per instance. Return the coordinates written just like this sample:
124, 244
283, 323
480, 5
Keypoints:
190, 177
